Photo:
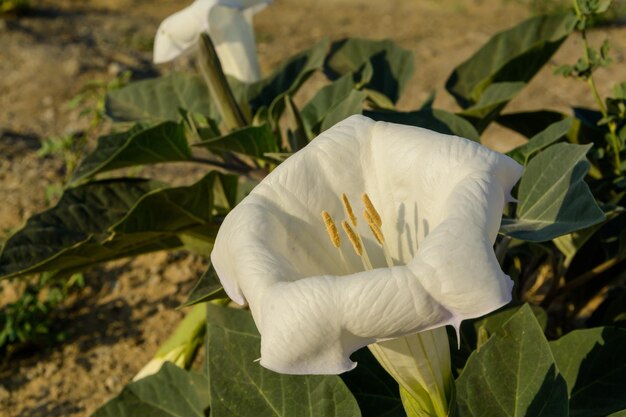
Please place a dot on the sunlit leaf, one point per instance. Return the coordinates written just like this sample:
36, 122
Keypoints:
593, 363
165, 142
105, 220
554, 198
541, 140
255, 141
499, 70
286, 79
319, 106
530, 123
513, 374
434, 119
240, 387
171, 392
159, 99
207, 288
391, 66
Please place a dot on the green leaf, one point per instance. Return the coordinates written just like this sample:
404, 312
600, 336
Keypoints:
81, 214
593, 363
554, 198
491, 103
159, 99
286, 79
475, 332
374, 389
255, 141
530, 123
240, 387
105, 220
434, 119
513, 374
392, 66
319, 106
496, 72
350, 105
207, 288
172, 392
165, 142
542, 140
170, 210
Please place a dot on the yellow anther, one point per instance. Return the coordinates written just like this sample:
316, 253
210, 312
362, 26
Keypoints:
348, 208
378, 234
331, 229
372, 211
354, 239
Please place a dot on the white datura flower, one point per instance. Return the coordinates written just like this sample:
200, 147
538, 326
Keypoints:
404, 242
228, 22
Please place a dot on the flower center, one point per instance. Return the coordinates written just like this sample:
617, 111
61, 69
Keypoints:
373, 220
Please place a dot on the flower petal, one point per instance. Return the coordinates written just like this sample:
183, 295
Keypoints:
441, 200
234, 41
179, 32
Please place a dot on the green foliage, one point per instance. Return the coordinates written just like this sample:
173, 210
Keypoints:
491, 77
561, 248
172, 392
165, 142
388, 66
554, 198
593, 364
513, 373
30, 319
240, 387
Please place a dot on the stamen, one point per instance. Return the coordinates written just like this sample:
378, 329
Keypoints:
378, 234
331, 229
370, 208
357, 245
354, 239
348, 208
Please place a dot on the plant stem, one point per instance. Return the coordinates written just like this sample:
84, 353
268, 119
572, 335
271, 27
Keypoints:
594, 91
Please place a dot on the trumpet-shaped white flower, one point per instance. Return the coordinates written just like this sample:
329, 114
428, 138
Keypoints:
228, 22
439, 202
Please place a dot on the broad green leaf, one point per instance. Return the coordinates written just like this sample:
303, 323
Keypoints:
554, 198
206, 289
170, 210
374, 389
530, 123
328, 96
100, 221
506, 63
392, 66
434, 119
159, 99
621, 413
286, 79
541, 140
81, 216
240, 387
172, 392
593, 363
350, 105
165, 142
476, 332
255, 141
513, 374
491, 103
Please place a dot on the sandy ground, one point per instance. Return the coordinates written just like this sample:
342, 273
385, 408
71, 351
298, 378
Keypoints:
128, 309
